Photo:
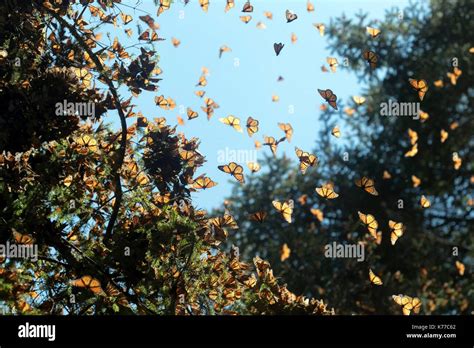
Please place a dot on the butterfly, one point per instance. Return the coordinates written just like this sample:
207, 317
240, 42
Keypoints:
272, 143
336, 132
21, 238
416, 181
126, 18
285, 209
408, 303
420, 86
202, 81
225, 221
252, 126
278, 47
150, 22
285, 252
424, 202
200, 93
444, 135
457, 161
349, 111
232, 121
373, 32
288, 129
413, 135
386, 175
164, 5
245, 19
371, 58
374, 279
235, 170
326, 191
202, 182
454, 75
84, 75
204, 5
397, 229
261, 25
412, 152
253, 166
268, 14
358, 99
247, 7
294, 38
320, 27
423, 116
332, 63
303, 199
230, 4
88, 282
318, 214
460, 267
309, 6
329, 96
275, 98
367, 184
369, 221
290, 16
175, 42
258, 216
191, 114
86, 143
438, 83
306, 159
223, 49
146, 36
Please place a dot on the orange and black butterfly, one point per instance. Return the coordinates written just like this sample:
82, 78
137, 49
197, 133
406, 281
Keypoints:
202, 183
272, 143
420, 86
288, 129
234, 169
368, 185
246, 19
371, 58
88, 282
374, 279
21, 238
204, 5
164, 5
373, 32
230, 4
191, 114
232, 121
252, 126
247, 7
258, 216
327, 191
306, 159
253, 166
396, 231
285, 209
329, 96
408, 303
332, 63
146, 36
369, 221
278, 47
290, 16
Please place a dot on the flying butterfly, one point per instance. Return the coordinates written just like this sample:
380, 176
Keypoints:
320, 27
327, 191
89, 283
285, 209
318, 214
288, 129
232, 121
444, 135
21, 238
396, 231
258, 216
408, 303
369, 221
278, 47
202, 183
175, 42
460, 267
285, 252
415, 180
412, 152
235, 170
424, 202
191, 114
268, 14
247, 7
306, 159
368, 185
332, 63
309, 6
200, 93
329, 97
336, 132
290, 16
374, 279
204, 5
245, 19
420, 86
164, 5
358, 99
294, 38
371, 58
252, 126
230, 4
223, 49
453, 76
373, 32
253, 166
272, 143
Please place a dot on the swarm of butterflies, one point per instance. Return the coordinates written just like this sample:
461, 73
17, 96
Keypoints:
306, 159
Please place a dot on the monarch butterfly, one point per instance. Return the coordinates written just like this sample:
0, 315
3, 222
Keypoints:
373, 32
84, 75
285, 252
412, 152
349, 111
261, 25
457, 161
175, 42
67, 181
200, 93
235, 170
386, 175
180, 120
253, 166
247, 7
258, 216
420, 86
303, 199
230, 4
278, 47
438, 83
272, 143
275, 98
460, 267
369, 221
146, 36
225, 221
202, 183
374, 279
320, 27
86, 143
407, 303
329, 97
21, 238
318, 214
424, 202
397, 229
232, 121
268, 14
424, 116
162, 198
413, 136
191, 114
358, 99
336, 132
290, 16
204, 5
164, 5
285, 209
258, 144
294, 38
332, 63
306, 159
223, 49
142, 122
142, 179
444, 135
88, 282
416, 181
202, 81
309, 6
252, 126
453, 76
368, 185
126, 18
288, 129
327, 191
245, 19
371, 58
187, 155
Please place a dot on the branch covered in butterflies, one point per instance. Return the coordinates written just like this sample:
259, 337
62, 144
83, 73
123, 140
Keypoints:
123, 123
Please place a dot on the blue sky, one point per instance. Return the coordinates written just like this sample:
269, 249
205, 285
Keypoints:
245, 89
